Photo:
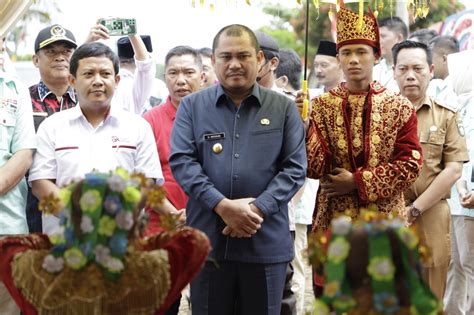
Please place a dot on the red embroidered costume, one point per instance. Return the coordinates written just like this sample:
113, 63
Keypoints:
372, 134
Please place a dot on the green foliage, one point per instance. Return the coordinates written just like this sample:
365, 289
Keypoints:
287, 26
40, 11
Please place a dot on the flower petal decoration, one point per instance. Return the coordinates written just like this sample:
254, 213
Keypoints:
132, 194
86, 224
112, 204
107, 226
124, 220
341, 225
75, 259
118, 244
332, 289
90, 200
116, 183
386, 303
338, 250
53, 264
381, 268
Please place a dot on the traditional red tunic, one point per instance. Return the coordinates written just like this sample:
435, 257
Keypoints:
373, 135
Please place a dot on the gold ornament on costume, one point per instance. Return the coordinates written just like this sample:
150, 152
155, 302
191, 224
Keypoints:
50, 204
350, 29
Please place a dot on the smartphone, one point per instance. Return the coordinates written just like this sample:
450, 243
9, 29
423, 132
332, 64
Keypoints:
120, 27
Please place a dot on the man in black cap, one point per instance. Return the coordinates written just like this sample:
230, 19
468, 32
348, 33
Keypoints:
326, 67
266, 73
54, 46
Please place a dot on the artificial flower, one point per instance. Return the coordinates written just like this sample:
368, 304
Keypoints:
75, 259
118, 244
107, 225
122, 173
57, 238
338, 250
65, 195
116, 183
53, 264
86, 224
332, 289
112, 204
101, 253
93, 180
132, 194
407, 237
344, 303
114, 264
386, 303
320, 308
124, 220
90, 200
341, 225
381, 268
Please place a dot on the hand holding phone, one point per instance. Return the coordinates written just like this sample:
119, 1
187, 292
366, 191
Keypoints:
120, 27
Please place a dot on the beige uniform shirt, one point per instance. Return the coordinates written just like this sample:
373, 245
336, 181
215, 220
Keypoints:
442, 139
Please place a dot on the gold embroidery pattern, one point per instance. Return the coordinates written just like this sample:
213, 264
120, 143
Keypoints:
347, 27
383, 181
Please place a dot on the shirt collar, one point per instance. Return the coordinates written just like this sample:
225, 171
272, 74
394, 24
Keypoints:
426, 101
169, 108
44, 91
76, 113
221, 95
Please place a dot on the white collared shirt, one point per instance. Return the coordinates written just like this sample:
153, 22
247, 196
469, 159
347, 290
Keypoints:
69, 147
383, 74
134, 89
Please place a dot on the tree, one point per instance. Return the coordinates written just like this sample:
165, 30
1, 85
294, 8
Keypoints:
287, 26
40, 11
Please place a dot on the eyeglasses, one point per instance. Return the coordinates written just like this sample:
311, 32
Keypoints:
51, 52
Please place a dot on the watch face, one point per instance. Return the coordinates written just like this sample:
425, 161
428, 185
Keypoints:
414, 212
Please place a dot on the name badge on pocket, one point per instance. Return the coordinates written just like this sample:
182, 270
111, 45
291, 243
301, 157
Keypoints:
214, 136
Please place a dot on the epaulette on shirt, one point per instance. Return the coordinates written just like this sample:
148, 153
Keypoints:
447, 106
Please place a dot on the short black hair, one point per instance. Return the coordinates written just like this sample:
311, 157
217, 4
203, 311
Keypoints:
444, 44
290, 65
424, 35
94, 49
236, 30
410, 44
205, 51
181, 51
395, 24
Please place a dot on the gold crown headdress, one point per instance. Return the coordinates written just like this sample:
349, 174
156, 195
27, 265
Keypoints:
352, 30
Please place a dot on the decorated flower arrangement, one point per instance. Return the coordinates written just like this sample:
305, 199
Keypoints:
97, 219
371, 266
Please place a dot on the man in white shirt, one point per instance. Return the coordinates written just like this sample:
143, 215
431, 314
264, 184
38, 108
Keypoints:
327, 69
392, 31
441, 88
94, 135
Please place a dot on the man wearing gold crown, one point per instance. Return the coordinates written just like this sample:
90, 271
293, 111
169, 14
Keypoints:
362, 139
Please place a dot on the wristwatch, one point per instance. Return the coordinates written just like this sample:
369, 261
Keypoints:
414, 211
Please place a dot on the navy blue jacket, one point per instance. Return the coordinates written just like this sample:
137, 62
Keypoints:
263, 156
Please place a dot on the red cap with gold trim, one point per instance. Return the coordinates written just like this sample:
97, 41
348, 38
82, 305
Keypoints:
349, 30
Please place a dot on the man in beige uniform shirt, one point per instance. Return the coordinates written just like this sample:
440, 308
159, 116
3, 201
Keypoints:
444, 151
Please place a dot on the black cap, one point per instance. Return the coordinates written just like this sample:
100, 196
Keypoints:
125, 49
327, 48
52, 34
268, 44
